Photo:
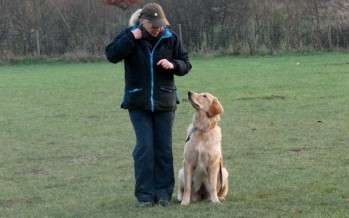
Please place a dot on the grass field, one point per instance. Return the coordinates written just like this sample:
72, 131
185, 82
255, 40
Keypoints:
66, 146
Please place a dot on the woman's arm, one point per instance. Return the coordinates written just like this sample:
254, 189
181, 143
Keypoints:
121, 46
180, 60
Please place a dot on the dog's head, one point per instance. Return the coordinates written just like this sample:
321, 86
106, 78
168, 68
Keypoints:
205, 102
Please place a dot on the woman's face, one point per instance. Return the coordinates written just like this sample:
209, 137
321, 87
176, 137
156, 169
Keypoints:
154, 31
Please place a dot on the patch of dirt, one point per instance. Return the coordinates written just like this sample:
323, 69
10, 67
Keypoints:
11, 202
327, 97
38, 171
336, 64
78, 160
304, 149
272, 97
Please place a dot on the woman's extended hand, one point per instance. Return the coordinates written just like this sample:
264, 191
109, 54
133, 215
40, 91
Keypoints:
164, 63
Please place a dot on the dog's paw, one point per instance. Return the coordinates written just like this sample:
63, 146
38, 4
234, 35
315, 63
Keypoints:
185, 203
222, 198
215, 200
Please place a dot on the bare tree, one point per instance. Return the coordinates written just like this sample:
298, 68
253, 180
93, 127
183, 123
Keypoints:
57, 27
4, 25
342, 5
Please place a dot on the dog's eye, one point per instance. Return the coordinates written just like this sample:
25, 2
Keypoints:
205, 96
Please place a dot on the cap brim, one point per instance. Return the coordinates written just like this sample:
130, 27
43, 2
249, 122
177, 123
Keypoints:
159, 22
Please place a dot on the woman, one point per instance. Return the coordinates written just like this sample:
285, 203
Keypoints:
152, 55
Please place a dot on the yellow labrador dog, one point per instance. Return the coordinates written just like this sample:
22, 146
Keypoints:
203, 176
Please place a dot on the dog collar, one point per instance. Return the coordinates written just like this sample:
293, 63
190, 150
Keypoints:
191, 133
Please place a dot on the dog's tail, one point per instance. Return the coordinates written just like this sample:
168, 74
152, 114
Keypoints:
134, 17
224, 186
220, 174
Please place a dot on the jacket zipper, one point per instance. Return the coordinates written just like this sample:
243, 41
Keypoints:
152, 81
151, 52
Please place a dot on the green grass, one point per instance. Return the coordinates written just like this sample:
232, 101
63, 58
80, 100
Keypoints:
66, 145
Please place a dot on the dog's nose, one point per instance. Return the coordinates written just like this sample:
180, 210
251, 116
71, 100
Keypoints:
189, 95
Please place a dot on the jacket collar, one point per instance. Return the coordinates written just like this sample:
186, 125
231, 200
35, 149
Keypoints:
167, 33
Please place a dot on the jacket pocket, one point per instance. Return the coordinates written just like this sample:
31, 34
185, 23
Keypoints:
133, 98
134, 90
167, 97
167, 89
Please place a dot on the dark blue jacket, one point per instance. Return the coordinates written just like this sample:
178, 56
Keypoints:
148, 86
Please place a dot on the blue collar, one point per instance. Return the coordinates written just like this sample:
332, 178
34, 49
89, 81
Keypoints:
167, 33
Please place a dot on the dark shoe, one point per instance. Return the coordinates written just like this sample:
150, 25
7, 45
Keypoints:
164, 203
146, 204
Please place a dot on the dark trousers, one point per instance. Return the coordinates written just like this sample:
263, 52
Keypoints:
153, 159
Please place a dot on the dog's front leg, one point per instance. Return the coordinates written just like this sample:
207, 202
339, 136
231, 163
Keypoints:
213, 176
188, 172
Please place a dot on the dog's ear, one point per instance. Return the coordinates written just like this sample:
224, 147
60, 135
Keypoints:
216, 108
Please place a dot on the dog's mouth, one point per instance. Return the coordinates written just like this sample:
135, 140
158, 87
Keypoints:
196, 106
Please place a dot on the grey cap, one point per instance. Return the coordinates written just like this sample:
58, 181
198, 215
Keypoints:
154, 13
